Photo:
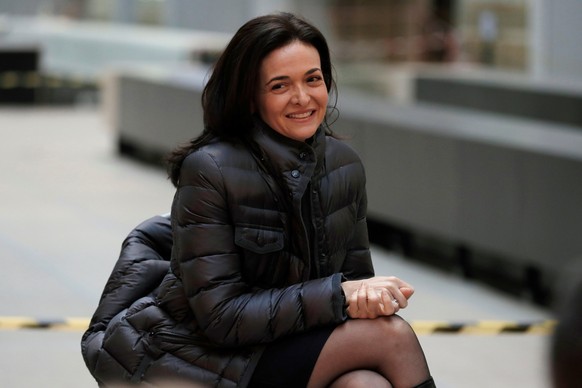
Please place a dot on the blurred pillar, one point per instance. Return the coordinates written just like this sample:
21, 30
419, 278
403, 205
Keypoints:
538, 43
555, 34
488, 32
124, 11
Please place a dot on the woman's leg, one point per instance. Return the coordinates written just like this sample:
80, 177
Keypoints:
386, 345
361, 379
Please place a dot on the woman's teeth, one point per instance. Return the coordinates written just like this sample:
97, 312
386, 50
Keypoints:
300, 115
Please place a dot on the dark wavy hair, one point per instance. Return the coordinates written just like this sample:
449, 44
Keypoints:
229, 94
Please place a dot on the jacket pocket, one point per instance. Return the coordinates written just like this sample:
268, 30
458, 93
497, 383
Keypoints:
258, 239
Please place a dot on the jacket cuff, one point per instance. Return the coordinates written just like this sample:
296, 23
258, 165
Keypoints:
339, 298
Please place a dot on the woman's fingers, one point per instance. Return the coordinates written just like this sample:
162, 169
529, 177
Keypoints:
373, 303
362, 298
390, 305
392, 297
368, 302
378, 296
386, 306
403, 294
407, 291
395, 305
400, 298
357, 305
399, 289
364, 302
378, 302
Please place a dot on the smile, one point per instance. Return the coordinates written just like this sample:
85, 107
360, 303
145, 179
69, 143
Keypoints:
301, 115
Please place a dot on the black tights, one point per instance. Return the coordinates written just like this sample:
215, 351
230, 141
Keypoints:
382, 352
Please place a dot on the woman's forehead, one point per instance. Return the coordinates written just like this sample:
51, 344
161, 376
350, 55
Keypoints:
296, 56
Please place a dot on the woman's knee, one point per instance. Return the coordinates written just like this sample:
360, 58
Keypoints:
361, 379
387, 327
371, 336
365, 330
395, 324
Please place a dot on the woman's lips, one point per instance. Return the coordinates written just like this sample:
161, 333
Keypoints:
303, 115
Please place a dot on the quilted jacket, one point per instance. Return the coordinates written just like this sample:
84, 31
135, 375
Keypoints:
263, 233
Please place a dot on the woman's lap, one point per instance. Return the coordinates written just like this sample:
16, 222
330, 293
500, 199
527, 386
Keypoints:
288, 362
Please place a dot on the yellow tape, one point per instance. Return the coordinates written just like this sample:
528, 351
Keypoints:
484, 327
17, 323
420, 327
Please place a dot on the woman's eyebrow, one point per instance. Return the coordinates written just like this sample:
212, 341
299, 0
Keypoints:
284, 77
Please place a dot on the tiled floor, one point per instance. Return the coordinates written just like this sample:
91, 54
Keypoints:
67, 201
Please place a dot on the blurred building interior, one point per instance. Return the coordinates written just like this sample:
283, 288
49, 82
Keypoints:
467, 111
512, 34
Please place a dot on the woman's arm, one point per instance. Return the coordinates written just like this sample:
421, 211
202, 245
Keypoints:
367, 295
358, 261
227, 309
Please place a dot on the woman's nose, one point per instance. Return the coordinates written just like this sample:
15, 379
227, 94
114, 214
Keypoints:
301, 97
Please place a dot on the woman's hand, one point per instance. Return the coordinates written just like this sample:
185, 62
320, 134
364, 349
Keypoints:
377, 296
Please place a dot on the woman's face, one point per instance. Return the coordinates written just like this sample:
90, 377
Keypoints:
292, 95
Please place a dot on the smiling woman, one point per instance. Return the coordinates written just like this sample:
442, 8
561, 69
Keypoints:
292, 96
271, 282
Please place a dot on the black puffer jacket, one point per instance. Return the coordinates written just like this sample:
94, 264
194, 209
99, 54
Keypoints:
262, 236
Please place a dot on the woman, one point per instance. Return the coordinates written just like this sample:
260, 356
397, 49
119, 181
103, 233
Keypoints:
271, 281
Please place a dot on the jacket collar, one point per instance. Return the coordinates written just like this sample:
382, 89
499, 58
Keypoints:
292, 162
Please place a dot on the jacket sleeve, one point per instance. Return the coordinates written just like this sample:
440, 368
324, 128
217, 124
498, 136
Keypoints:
208, 263
358, 262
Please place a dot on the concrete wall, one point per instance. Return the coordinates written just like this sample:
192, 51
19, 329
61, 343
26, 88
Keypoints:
547, 100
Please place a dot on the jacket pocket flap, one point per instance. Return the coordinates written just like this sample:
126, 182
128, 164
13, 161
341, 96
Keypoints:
259, 240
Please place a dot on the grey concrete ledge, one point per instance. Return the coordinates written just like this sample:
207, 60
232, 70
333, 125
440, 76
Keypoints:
507, 131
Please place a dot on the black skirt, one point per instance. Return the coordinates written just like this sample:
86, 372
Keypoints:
288, 362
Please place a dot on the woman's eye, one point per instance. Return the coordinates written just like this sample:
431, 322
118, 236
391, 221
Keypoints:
277, 86
314, 79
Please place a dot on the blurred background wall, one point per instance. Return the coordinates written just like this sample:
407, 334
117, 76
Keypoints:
538, 36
